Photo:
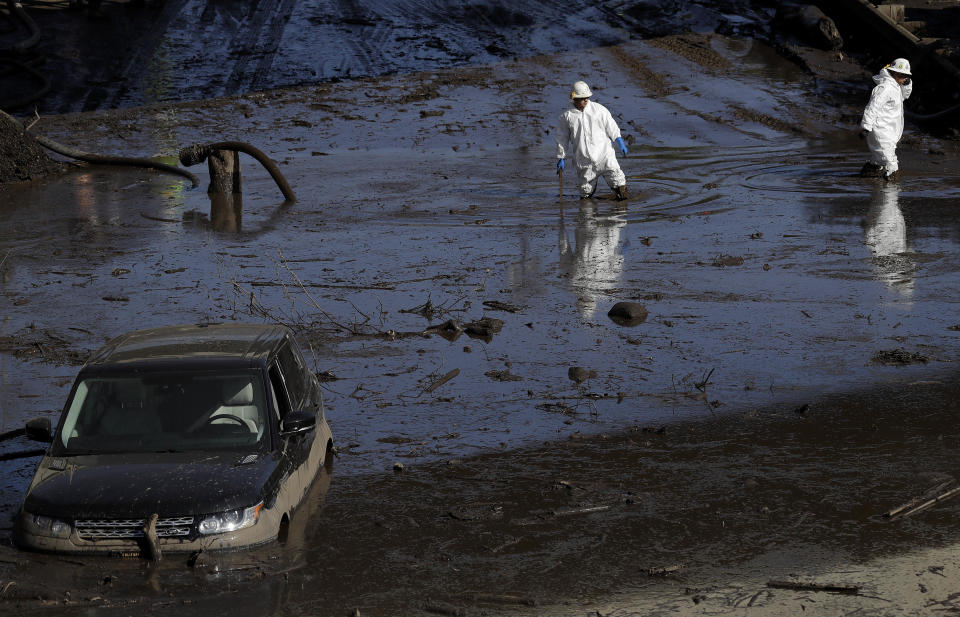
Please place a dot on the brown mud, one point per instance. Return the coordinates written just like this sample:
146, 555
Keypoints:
661, 514
791, 382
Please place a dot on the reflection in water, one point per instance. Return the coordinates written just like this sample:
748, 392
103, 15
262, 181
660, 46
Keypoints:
886, 236
226, 211
595, 262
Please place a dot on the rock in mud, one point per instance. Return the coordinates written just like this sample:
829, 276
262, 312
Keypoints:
504, 375
727, 260
628, 313
810, 24
449, 330
486, 327
578, 374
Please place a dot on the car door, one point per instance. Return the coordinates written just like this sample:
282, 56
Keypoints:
286, 376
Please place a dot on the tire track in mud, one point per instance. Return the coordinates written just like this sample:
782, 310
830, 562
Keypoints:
199, 49
369, 34
274, 38
148, 42
266, 17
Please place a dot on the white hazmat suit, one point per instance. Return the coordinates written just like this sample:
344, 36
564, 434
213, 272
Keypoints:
591, 132
883, 120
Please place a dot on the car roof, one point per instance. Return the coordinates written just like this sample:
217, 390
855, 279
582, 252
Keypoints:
220, 344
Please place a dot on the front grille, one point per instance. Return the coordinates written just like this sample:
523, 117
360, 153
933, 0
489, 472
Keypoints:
100, 529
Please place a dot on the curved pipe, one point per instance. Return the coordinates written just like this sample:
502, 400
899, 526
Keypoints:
17, 9
197, 153
11, 456
939, 114
14, 433
44, 84
106, 159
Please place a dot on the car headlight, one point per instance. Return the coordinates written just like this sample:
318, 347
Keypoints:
231, 520
46, 526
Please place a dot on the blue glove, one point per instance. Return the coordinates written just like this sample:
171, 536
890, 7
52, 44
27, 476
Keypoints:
560, 164
621, 145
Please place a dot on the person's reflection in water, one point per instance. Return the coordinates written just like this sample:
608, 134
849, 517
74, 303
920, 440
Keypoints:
886, 236
595, 261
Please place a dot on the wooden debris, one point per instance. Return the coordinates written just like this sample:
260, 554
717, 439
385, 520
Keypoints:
150, 536
442, 380
495, 598
665, 571
496, 305
441, 608
504, 375
812, 586
571, 511
941, 492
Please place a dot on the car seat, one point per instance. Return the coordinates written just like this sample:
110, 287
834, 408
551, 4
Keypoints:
238, 401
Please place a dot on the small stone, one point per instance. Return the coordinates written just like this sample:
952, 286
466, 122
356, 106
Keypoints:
628, 313
398, 467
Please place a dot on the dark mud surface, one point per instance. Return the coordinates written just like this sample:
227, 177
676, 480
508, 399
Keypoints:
21, 158
791, 382
198, 49
668, 512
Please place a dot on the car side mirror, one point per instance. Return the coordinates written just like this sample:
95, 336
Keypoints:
39, 429
298, 422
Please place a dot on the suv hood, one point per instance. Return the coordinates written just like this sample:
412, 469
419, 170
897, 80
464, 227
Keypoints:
141, 484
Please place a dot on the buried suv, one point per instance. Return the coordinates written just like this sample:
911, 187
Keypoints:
182, 439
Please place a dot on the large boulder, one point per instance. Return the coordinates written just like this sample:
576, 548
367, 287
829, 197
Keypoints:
809, 24
21, 157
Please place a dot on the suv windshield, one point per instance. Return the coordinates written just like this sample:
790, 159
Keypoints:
163, 411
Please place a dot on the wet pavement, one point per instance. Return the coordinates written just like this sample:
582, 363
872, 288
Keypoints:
773, 276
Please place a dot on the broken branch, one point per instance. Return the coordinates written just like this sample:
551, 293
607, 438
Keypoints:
811, 586
442, 381
941, 492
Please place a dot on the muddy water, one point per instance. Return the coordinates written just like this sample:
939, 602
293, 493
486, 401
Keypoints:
771, 273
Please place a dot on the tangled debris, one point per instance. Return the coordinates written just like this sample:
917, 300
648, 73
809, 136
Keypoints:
899, 357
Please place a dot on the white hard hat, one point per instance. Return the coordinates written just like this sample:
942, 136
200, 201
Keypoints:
900, 65
581, 91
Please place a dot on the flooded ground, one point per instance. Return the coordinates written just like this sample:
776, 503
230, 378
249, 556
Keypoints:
790, 384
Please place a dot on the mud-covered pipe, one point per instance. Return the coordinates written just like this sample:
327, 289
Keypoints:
12, 456
197, 153
14, 433
43, 89
16, 8
106, 159
939, 114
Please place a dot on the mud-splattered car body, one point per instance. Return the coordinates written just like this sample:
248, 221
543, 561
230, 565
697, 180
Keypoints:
218, 430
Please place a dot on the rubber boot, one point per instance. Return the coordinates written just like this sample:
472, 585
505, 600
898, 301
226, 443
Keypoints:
871, 170
621, 192
894, 177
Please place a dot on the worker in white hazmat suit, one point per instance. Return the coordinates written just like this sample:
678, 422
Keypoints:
882, 123
592, 131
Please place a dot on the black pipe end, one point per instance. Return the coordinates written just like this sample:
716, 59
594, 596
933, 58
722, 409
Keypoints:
192, 155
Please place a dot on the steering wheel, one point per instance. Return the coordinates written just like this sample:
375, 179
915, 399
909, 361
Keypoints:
227, 416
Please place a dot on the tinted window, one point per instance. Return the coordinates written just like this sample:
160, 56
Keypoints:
279, 391
291, 364
165, 410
